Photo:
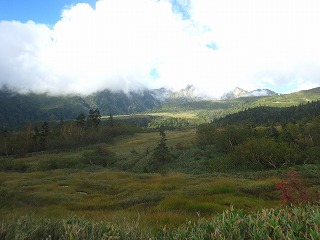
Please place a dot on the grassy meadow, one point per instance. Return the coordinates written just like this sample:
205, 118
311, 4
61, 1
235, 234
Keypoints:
61, 184
109, 191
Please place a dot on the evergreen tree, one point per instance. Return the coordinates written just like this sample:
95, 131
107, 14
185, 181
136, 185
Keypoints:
162, 142
111, 120
45, 129
94, 118
44, 134
80, 120
161, 153
35, 137
272, 132
5, 134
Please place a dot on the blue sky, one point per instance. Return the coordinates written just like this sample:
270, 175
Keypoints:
87, 45
40, 11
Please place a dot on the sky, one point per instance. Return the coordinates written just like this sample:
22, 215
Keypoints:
81, 46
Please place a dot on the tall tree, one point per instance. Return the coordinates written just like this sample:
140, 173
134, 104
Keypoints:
161, 153
45, 129
80, 120
94, 118
111, 120
5, 134
44, 135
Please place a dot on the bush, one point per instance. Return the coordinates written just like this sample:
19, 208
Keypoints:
57, 162
266, 153
13, 165
206, 134
292, 189
100, 156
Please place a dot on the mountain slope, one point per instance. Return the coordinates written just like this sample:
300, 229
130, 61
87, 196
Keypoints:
239, 92
116, 103
17, 109
188, 94
209, 110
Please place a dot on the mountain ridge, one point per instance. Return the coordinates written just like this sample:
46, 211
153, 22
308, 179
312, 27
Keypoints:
239, 92
17, 109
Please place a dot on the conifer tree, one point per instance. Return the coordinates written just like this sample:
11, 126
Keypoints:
161, 153
94, 118
80, 120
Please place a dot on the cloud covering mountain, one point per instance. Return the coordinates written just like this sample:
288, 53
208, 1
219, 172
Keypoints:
132, 44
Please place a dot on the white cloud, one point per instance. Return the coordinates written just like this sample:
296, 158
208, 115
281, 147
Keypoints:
20, 47
274, 40
119, 43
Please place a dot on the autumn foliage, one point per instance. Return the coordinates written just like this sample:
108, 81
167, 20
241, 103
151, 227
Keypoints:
292, 189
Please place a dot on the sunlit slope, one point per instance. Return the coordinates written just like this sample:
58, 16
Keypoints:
17, 109
205, 111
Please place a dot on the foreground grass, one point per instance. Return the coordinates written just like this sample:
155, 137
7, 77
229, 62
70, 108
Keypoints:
156, 199
281, 223
110, 202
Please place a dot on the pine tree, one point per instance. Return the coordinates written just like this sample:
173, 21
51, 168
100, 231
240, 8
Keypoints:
94, 118
80, 120
111, 121
5, 134
161, 153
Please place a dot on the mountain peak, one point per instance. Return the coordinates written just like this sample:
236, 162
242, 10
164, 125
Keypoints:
239, 92
235, 93
188, 94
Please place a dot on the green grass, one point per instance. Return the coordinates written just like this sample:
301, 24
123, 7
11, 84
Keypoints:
54, 186
287, 223
104, 192
133, 153
300, 222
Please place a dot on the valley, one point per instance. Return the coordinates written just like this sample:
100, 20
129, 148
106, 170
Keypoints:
150, 174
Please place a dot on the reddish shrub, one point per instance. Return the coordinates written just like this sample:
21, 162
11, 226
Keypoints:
292, 189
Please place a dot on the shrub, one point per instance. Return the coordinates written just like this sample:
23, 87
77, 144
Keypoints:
100, 156
265, 152
206, 134
56, 162
13, 165
292, 189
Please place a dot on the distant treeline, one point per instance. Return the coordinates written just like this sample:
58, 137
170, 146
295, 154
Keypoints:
266, 115
84, 130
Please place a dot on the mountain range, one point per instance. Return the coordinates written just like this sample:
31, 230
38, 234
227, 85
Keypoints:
17, 109
239, 92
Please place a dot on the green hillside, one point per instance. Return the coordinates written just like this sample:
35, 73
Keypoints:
209, 110
17, 109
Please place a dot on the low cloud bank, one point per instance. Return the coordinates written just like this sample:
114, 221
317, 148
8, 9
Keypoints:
128, 45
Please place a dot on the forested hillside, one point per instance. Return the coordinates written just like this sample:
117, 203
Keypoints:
275, 115
120, 103
17, 109
210, 110
265, 137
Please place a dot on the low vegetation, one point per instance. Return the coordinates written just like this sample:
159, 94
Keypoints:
108, 178
280, 223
